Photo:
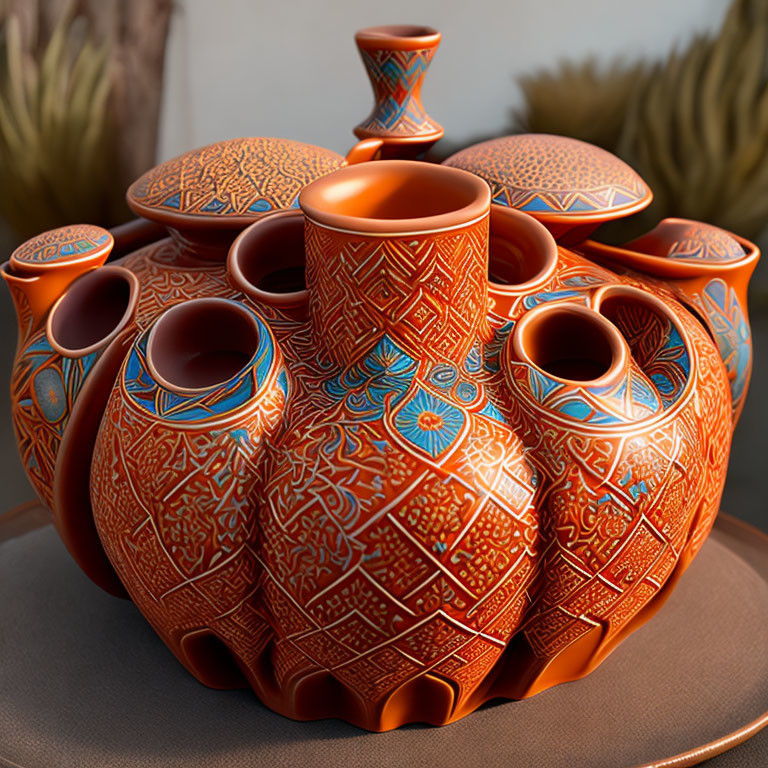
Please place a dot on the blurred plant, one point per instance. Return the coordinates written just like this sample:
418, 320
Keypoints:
583, 100
80, 84
695, 125
54, 130
698, 130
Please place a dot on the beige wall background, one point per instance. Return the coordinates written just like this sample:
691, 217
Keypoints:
290, 67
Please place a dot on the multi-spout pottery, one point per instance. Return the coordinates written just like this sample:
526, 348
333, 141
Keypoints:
412, 445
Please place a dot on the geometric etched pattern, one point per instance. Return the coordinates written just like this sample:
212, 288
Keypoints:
396, 77
66, 244
720, 304
703, 242
658, 348
426, 292
410, 518
239, 178
543, 174
44, 387
182, 538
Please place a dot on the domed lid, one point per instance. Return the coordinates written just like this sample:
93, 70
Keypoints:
64, 246
686, 240
556, 178
229, 184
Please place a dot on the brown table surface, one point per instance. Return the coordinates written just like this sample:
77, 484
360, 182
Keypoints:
84, 682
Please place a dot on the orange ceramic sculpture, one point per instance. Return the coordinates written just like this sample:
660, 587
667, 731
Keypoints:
396, 59
411, 446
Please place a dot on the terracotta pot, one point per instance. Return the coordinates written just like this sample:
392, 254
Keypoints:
267, 263
399, 452
396, 59
177, 473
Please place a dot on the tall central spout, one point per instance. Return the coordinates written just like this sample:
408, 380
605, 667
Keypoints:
397, 248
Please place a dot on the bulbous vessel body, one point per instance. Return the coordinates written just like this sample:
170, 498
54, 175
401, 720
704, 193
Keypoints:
384, 440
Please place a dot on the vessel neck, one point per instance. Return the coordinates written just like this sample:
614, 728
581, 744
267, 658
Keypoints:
427, 292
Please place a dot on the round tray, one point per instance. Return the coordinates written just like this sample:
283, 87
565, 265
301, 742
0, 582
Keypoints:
85, 682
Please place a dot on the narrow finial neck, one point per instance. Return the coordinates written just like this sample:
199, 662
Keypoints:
396, 59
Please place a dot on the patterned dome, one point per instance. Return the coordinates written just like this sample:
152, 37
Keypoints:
549, 176
703, 242
233, 181
68, 244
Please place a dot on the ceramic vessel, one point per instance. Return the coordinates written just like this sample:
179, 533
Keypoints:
396, 59
568, 185
383, 440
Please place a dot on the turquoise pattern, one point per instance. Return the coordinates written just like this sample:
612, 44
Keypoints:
386, 372
236, 393
428, 423
56, 381
62, 244
732, 335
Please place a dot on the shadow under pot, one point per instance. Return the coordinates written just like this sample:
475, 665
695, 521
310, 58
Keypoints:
177, 477
267, 263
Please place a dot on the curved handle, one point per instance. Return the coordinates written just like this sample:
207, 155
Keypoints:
364, 150
708, 269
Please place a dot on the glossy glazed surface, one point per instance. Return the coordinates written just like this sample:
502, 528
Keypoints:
564, 183
417, 457
402, 528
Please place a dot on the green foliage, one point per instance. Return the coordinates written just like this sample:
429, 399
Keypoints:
581, 100
55, 147
695, 126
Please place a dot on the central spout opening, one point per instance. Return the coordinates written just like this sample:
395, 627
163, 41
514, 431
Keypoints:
398, 249
395, 196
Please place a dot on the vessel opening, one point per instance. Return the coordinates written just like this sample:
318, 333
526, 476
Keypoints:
92, 310
569, 345
400, 195
201, 343
270, 255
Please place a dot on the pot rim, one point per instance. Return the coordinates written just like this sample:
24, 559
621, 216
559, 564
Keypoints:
399, 37
201, 303
616, 343
130, 310
321, 199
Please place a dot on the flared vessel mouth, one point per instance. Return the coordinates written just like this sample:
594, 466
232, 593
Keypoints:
201, 344
398, 36
396, 197
571, 343
267, 260
521, 251
93, 311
